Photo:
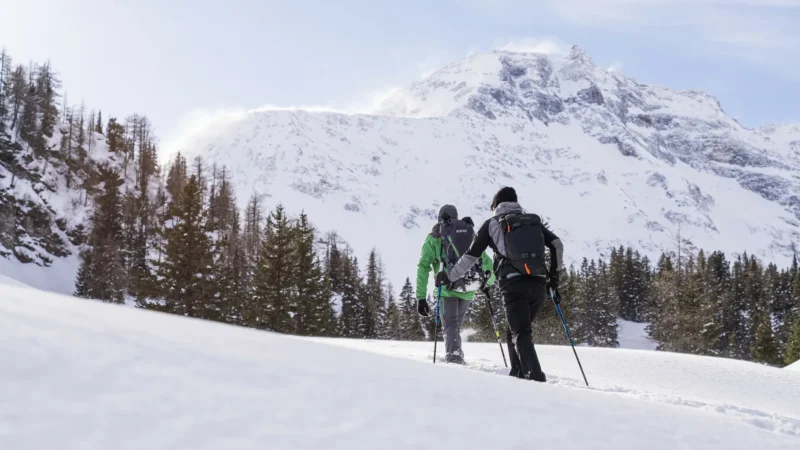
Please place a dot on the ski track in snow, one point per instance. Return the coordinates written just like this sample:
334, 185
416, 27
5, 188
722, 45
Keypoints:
769, 421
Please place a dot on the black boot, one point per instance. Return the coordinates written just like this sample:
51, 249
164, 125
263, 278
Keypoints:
455, 358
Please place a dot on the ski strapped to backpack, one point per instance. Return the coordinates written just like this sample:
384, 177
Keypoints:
457, 236
524, 243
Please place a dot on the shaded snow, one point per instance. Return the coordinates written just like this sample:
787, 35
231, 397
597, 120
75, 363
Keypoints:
59, 277
634, 336
80, 374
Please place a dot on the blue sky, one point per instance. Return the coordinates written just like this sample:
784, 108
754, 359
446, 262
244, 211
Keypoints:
176, 60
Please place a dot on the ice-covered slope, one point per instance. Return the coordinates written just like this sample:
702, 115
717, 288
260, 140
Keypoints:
607, 160
82, 374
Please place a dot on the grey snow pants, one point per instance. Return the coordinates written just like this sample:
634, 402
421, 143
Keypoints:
452, 312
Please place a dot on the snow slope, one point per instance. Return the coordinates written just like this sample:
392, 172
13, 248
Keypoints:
608, 161
794, 366
633, 335
82, 374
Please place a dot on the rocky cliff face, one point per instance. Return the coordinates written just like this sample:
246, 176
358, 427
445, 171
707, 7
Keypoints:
44, 206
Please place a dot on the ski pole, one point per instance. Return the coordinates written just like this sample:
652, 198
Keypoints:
436, 323
494, 324
557, 301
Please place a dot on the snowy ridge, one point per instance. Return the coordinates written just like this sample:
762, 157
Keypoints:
607, 160
188, 384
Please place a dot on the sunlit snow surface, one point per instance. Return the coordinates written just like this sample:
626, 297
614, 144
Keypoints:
79, 374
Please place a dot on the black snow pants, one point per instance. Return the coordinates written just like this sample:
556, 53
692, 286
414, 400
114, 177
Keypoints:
523, 298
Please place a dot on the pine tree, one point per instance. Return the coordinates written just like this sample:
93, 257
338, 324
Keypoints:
84, 276
411, 323
738, 347
102, 274
116, 145
372, 299
233, 277
80, 137
717, 332
393, 328
350, 320
314, 310
18, 95
27, 124
99, 125
272, 286
334, 264
765, 350
665, 317
796, 291
186, 267
753, 297
689, 315
792, 352
605, 332
5, 87
47, 85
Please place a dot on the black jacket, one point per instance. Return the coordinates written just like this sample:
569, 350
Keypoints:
490, 235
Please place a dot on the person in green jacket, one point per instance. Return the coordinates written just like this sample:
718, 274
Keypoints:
454, 304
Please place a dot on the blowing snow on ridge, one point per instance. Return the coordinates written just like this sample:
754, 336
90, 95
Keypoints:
605, 159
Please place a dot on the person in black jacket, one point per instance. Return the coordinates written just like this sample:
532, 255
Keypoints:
523, 293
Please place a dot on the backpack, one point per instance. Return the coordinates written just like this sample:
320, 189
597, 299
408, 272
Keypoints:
524, 241
457, 236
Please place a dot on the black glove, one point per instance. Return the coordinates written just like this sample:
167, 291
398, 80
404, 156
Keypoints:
553, 281
422, 307
442, 279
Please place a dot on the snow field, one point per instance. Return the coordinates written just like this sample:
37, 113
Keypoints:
82, 374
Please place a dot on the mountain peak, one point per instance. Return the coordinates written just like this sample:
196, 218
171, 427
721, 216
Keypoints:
577, 53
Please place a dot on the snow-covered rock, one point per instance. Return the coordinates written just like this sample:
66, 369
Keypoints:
605, 159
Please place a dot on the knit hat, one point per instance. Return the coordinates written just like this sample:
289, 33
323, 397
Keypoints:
448, 212
507, 194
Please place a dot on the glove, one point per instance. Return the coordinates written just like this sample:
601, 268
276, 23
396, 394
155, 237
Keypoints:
422, 307
442, 279
553, 283
485, 280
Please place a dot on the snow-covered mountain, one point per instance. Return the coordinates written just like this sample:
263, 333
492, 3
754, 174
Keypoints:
170, 382
605, 159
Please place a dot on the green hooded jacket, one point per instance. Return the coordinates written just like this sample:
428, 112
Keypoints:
430, 261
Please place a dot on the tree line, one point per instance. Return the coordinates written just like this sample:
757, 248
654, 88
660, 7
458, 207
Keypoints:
195, 254
706, 305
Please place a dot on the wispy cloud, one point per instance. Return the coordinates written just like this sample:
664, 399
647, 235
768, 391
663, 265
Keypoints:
548, 46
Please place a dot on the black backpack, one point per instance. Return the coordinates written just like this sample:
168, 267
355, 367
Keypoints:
457, 236
524, 241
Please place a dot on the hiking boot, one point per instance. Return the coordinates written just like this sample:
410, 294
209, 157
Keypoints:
456, 358
540, 377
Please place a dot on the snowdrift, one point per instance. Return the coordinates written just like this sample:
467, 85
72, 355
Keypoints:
82, 374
